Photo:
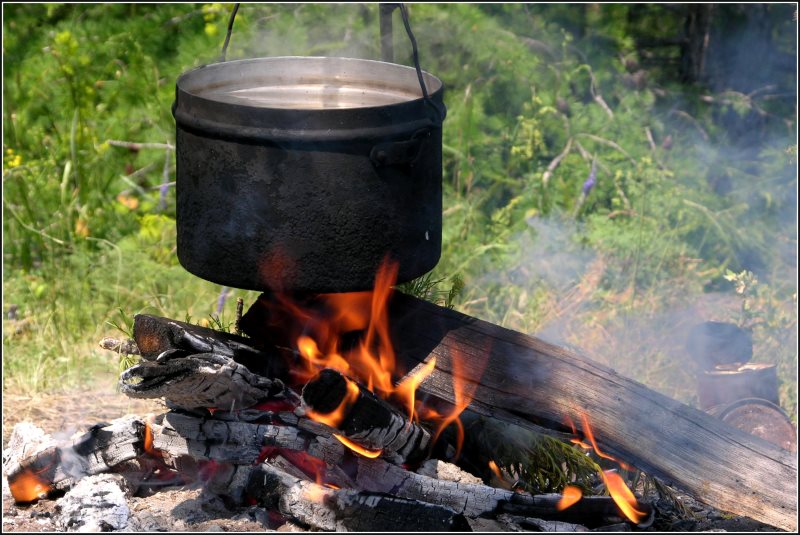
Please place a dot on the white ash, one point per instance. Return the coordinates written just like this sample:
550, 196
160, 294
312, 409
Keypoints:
447, 472
26, 441
95, 503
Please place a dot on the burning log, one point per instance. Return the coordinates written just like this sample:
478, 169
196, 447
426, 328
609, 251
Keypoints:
346, 510
363, 418
194, 367
56, 466
526, 381
176, 435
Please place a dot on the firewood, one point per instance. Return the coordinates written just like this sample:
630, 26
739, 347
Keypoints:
526, 381
194, 367
155, 335
203, 380
58, 465
366, 420
330, 509
591, 511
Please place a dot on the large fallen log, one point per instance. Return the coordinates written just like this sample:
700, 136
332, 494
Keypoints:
526, 381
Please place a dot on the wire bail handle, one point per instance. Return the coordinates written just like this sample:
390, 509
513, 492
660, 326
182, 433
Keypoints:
438, 109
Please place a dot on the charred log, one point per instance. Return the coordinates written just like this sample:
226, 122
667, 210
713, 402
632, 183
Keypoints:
366, 419
57, 466
346, 510
193, 367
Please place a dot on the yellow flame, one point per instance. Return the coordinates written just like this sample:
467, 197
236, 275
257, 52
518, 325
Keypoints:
495, 470
623, 496
371, 454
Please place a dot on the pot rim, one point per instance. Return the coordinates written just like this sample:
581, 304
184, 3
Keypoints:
371, 71
195, 111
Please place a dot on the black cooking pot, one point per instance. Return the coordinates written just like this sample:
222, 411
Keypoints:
305, 173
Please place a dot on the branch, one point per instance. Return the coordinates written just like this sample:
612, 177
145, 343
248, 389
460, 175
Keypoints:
555, 163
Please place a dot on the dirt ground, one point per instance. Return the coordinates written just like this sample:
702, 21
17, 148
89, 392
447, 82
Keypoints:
64, 414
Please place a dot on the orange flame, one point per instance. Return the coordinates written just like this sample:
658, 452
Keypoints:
371, 454
322, 330
335, 417
148, 439
372, 361
570, 497
28, 487
463, 392
619, 491
587, 429
406, 390
495, 470
622, 496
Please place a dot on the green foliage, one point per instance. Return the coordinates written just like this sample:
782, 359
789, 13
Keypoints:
541, 463
690, 181
425, 287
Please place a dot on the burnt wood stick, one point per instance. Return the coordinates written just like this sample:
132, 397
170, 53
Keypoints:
197, 368
590, 511
368, 420
199, 381
346, 510
156, 336
58, 465
474, 500
526, 381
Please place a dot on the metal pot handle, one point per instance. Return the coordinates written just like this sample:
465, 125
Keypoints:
440, 110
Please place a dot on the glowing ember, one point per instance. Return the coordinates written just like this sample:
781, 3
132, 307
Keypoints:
314, 493
372, 454
622, 496
28, 487
570, 497
335, 417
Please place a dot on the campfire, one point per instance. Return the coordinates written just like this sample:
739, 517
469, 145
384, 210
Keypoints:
339, 403
344, 412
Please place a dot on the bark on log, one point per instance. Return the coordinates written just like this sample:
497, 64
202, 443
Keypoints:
156, 335
367, 420
526, 381
346, 510
193, 367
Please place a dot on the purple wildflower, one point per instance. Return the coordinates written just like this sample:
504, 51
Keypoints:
589, 184
162, 198
223, 296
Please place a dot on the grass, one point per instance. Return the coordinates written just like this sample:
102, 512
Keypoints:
619, 273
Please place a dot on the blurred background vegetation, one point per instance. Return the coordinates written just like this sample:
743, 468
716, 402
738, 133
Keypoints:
687, 113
